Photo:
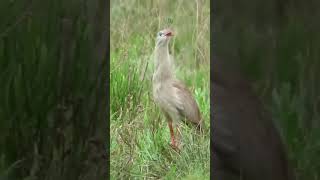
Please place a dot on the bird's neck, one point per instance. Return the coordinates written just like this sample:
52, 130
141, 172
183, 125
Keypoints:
163, 64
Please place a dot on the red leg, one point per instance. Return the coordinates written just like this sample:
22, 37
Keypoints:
173, 142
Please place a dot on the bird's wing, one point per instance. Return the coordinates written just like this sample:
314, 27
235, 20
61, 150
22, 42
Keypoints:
186, 104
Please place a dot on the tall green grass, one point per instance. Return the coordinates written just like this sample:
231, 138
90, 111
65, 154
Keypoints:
139, 134
48, 97
283, 63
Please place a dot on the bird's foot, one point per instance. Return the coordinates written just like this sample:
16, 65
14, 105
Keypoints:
175, 147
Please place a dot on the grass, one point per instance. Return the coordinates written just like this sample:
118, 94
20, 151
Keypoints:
46, 109
139, 147
283, 63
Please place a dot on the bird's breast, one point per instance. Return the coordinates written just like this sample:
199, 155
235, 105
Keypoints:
161, 93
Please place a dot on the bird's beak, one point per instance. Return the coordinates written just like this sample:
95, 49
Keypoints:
169, 33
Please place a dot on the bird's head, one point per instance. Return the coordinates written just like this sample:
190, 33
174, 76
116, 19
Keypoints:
163, 37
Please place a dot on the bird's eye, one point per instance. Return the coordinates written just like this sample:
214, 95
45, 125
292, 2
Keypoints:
160, 34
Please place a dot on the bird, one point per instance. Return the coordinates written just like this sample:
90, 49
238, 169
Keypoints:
245, 141
170, 94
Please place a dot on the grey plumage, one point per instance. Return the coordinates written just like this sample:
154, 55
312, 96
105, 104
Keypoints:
170, 94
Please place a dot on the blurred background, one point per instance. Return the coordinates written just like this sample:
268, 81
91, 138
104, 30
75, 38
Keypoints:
140, 137
52, 74
53, 103
277, 46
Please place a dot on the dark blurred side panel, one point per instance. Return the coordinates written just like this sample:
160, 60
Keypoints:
53, 99
265, 89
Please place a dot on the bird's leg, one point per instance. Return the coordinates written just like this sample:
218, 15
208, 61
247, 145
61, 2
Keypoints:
173, 142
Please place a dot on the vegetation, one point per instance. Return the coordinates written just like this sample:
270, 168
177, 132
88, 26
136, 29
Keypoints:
47, 112
52, 75
277, 44
140, 137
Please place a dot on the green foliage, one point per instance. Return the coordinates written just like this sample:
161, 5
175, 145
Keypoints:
44, 106
282, 60
139, 133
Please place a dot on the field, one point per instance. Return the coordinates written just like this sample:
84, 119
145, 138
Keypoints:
52, 94
53, 83
279, 51
139, 146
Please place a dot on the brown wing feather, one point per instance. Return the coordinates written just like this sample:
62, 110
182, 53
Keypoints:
189, 108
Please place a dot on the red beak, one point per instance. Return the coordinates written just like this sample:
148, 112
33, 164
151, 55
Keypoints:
169, 33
